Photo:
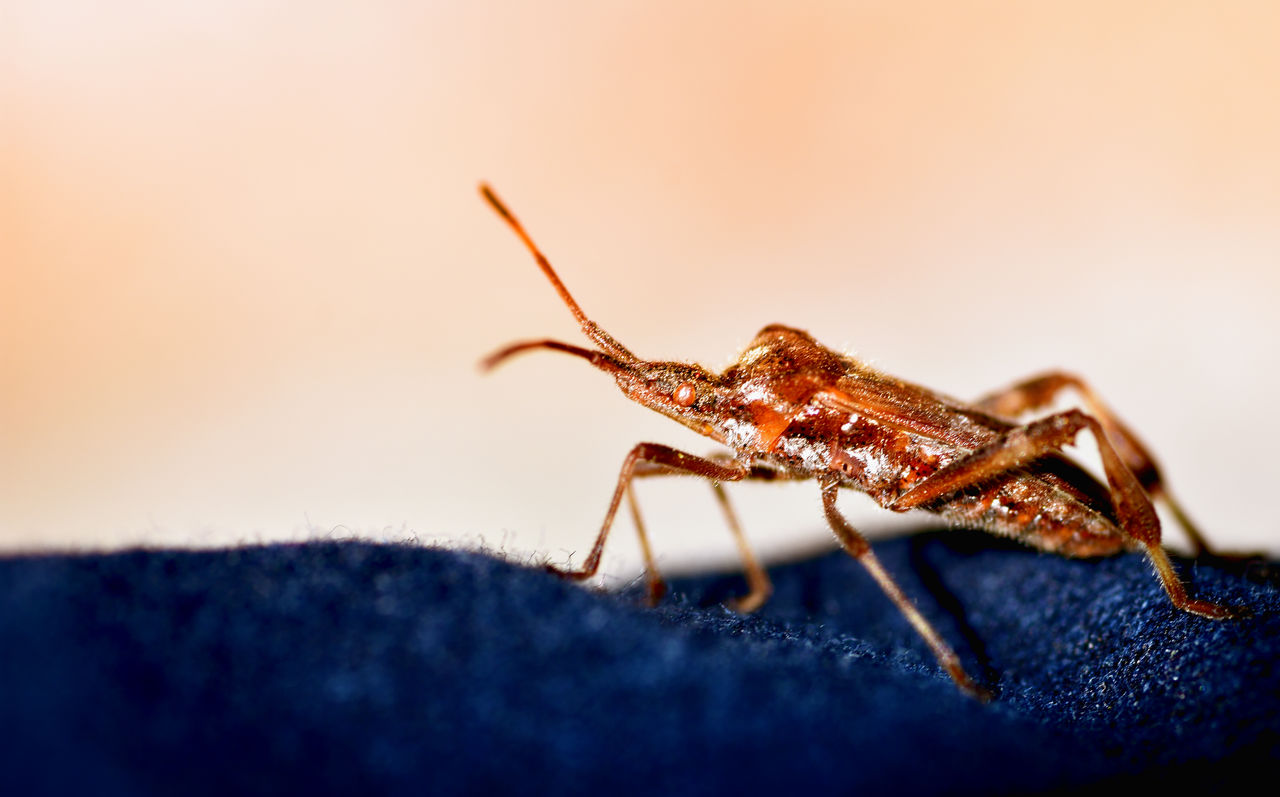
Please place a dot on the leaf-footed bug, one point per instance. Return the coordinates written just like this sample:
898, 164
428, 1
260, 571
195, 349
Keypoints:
790, 408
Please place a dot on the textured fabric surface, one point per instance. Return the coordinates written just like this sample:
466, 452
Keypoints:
352, 667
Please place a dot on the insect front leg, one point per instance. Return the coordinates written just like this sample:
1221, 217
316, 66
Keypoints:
1023, 445
651, 458
758, 583
860, 549
1040, 391
657, 587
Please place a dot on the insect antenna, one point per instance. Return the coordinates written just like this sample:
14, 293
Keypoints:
590, 328
599, 359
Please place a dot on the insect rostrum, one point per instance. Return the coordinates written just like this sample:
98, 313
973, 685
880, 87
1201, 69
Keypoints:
790, 408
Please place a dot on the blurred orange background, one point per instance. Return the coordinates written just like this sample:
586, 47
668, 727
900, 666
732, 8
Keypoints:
246, 277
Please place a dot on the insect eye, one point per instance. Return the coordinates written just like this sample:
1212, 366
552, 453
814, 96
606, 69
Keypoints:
685, 394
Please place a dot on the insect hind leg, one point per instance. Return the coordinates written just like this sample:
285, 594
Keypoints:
1023, 445
1040, 391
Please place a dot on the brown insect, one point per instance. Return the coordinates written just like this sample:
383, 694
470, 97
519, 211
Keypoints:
791, 408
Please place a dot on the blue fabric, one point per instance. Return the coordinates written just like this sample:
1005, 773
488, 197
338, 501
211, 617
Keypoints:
351, 667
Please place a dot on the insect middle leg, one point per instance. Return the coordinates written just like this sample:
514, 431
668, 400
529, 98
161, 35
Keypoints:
1025, 444
1039, 391
860, 549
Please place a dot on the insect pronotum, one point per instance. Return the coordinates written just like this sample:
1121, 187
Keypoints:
790, 408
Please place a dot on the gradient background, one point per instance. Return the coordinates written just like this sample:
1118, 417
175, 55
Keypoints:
245, 277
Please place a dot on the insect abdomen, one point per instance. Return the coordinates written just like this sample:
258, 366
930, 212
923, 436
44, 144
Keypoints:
1027, 508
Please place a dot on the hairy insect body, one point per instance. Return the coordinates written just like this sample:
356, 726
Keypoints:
790, 408
1053, 505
